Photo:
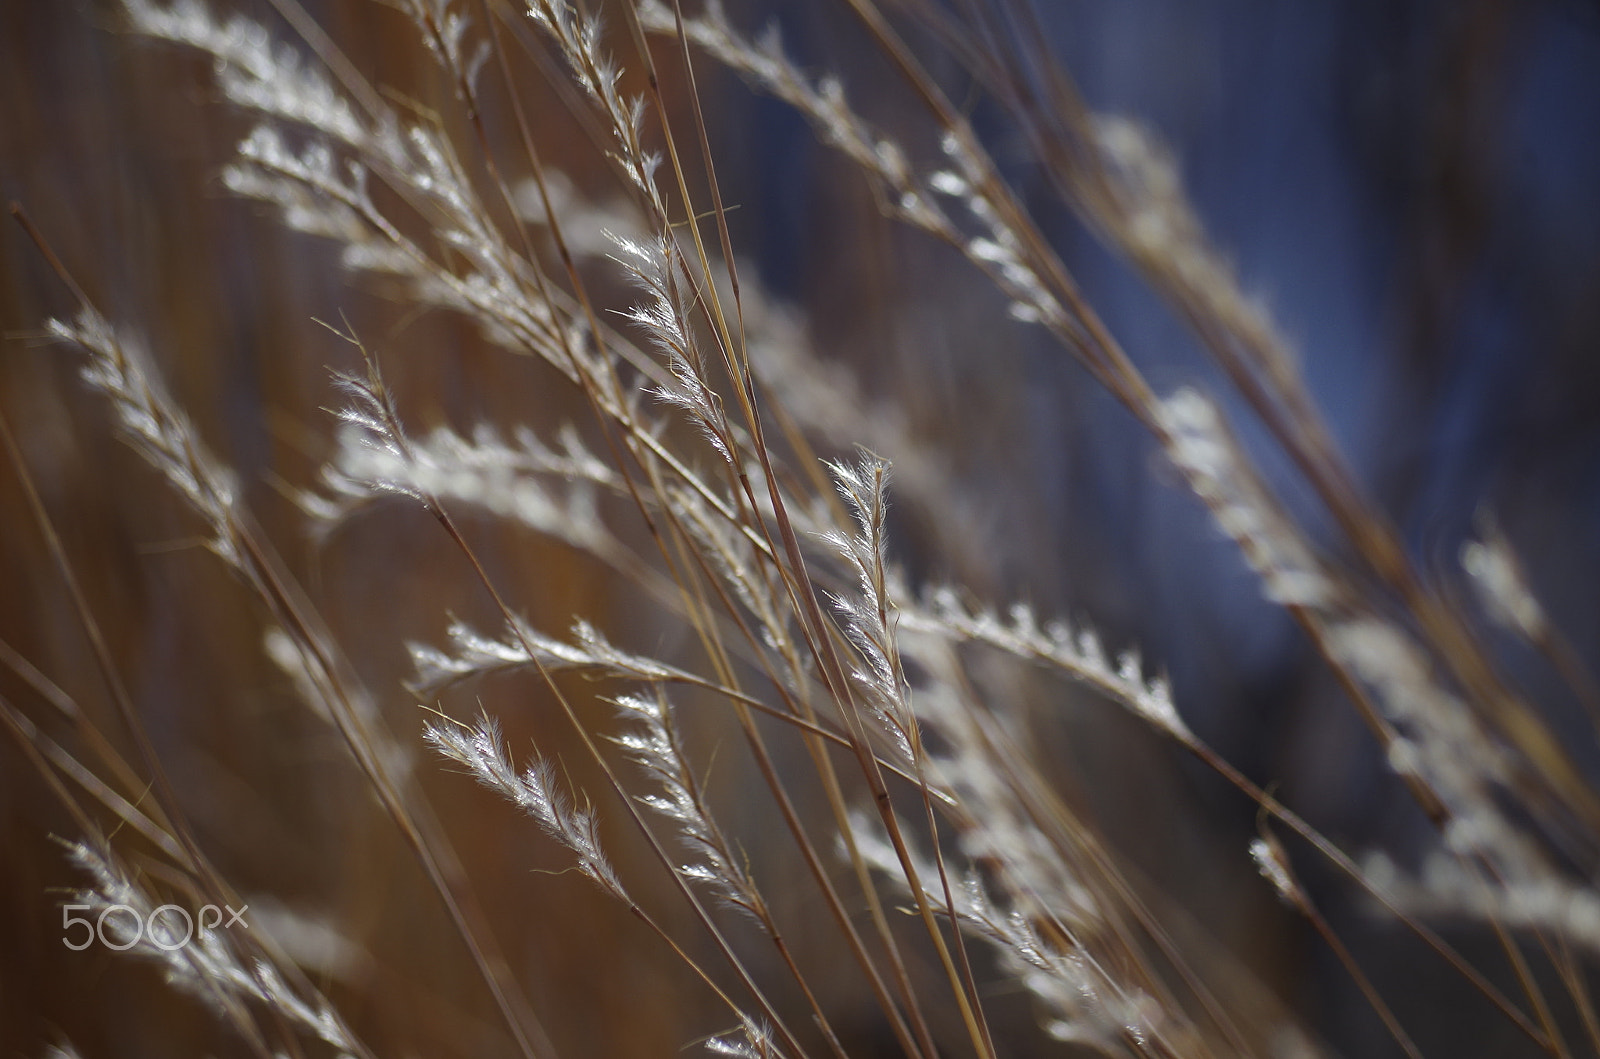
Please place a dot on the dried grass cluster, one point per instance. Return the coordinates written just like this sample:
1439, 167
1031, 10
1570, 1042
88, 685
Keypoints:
806, 789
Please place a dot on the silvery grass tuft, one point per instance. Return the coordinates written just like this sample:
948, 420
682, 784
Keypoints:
800, 776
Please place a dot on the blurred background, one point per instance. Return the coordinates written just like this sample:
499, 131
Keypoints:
1412, 188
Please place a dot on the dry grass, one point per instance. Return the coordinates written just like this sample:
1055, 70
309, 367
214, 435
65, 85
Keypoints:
773, 754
